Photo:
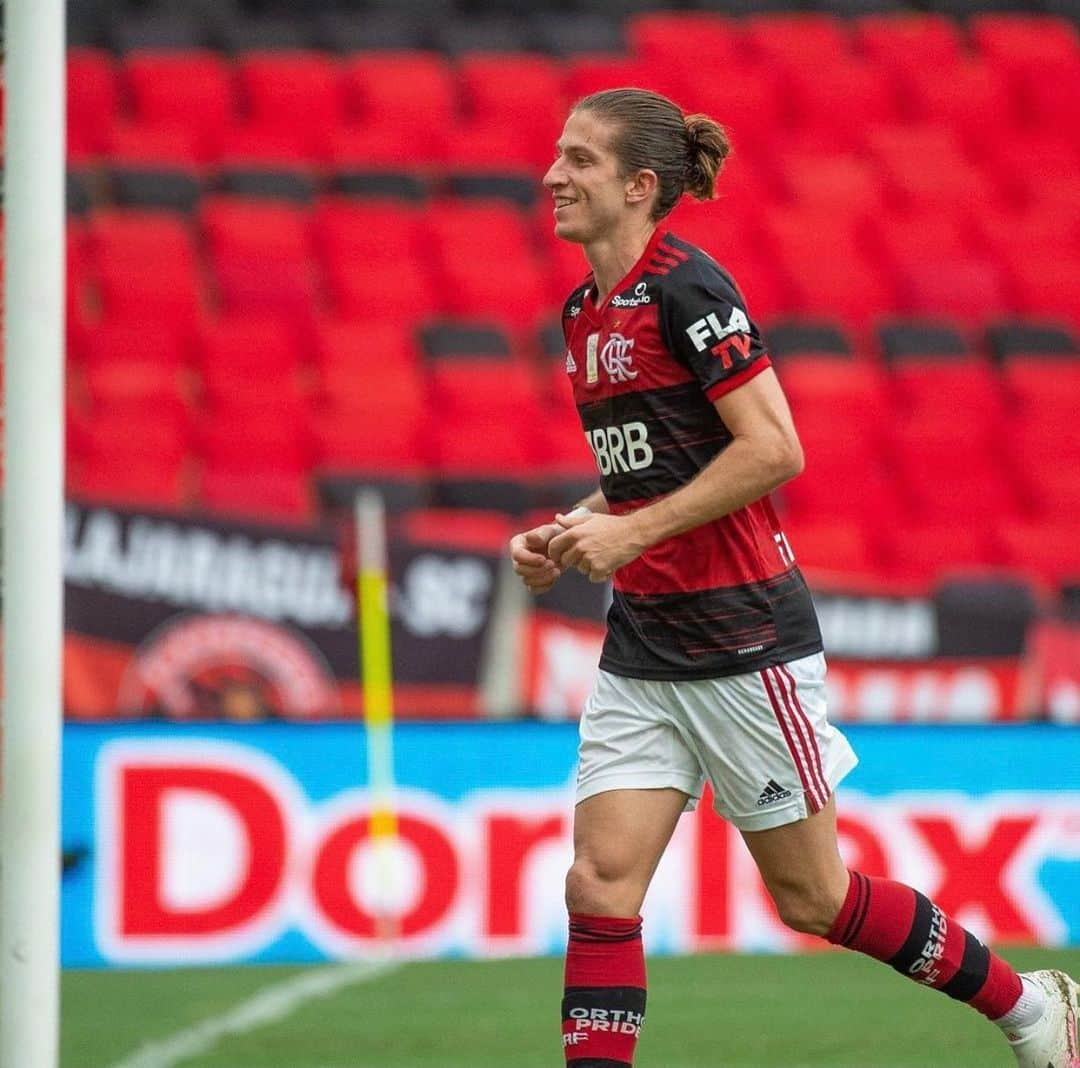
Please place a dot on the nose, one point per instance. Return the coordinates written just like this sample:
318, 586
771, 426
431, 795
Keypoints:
555, 176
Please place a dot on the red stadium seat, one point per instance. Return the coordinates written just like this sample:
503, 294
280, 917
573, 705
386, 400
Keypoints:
1018, 41
414, 91
756, 104
247, 358
662, 35
1047, 288
403, 290
948, 473
388, 145
840, 546
175, 148
969, 290
586, 74
167, 291
1049, 96
838, 99
140, 238
263, 494
137, 341
1035, 234
824, 266
818, 182
1047, 550
796, 39
961, 96
260, 252
952, 390
924, 552
298, 93
512, 88
909, 39
255, 143
489, 418
92, 101
350, 354
189, 90
500, 145
1047, 387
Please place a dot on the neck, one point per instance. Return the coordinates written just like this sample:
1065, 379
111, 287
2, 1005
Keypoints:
612, 256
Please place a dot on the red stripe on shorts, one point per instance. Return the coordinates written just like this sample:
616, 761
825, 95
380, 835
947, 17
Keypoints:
815, 765
793, 749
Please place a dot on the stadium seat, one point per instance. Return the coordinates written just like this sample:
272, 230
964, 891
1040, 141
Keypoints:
300, 93
833, 102
755, 108
182, 90
264, 32
1047, 550
574, 32
1021, 339
922, 553
465, 340
260, 253
134, 145
162, 30
838, 546
414, 91
481, 32
948, 471
164, 290
807, 337
924, 339
367, 30
960, 96
119, 343
272, 183
92, 102
584, 75
902, 40
353, 357
661, 36
260, 442
1034, 233
516, 88
839, 182
1023, 42
953, 390
139, 238
968, 290
265, 494
149, 186
796, 40
1047, 288
248, 359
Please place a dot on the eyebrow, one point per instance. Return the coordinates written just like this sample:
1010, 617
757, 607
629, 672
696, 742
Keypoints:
575, 147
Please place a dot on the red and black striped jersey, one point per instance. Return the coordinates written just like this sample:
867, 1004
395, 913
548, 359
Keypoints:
646, 366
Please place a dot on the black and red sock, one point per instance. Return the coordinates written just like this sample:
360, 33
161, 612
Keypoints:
604, 998
895, 924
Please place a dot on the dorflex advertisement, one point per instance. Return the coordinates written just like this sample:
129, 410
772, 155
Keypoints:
188, 844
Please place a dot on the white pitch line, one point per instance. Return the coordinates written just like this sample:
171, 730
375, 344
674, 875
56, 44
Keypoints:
269, 1005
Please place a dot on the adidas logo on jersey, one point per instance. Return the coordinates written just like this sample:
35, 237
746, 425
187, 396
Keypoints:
772, 793
571, 367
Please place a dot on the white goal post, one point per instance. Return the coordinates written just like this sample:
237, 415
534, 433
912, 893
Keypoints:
32, 531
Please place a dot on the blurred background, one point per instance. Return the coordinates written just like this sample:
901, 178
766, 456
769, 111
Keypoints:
308, 252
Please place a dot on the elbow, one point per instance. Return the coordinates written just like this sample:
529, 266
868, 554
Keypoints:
788, 458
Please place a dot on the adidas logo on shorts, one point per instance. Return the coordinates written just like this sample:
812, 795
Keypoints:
773, 792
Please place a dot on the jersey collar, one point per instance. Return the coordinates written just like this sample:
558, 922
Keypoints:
589, 305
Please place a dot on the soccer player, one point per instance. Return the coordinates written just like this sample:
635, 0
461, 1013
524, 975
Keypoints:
712, 667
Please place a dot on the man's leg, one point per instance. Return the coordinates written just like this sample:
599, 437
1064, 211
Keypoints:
619, 838
801, 866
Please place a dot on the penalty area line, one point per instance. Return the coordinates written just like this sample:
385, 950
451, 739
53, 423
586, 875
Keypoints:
269, 1005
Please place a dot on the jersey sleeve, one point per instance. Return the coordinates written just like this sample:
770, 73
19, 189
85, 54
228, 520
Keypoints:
709, 330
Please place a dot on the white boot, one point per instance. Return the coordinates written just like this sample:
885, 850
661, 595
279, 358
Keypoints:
1051, 1041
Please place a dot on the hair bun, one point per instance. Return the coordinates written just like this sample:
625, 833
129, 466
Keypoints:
707, 148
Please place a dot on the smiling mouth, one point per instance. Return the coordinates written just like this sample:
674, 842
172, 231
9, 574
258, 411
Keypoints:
563, 202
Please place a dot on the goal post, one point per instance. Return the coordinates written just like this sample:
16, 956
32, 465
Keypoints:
32, 532
377, 684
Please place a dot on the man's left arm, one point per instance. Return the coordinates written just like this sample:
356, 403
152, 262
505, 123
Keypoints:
764, 453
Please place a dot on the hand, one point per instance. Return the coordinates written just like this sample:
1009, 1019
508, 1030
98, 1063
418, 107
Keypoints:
596, 544
528, 551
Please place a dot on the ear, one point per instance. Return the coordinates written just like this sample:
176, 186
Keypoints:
641, 186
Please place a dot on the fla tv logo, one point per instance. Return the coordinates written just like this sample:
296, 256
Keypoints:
727, 343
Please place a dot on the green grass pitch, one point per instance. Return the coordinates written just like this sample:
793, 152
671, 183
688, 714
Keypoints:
711, 1011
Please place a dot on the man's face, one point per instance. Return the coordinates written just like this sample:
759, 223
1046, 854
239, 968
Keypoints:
584, 180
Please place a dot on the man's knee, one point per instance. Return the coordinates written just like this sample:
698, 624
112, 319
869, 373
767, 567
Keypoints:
596, 889
808, 907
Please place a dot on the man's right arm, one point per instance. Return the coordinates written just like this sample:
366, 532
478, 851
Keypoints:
528, 550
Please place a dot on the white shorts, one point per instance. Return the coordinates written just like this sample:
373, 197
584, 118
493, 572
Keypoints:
762, 740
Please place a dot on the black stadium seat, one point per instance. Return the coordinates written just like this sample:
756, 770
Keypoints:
354, 31
920, 338
1010, 338
792, 337
449, 340
488, 33
572, 32
401, 185
520, 189
292, 185
154, 187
